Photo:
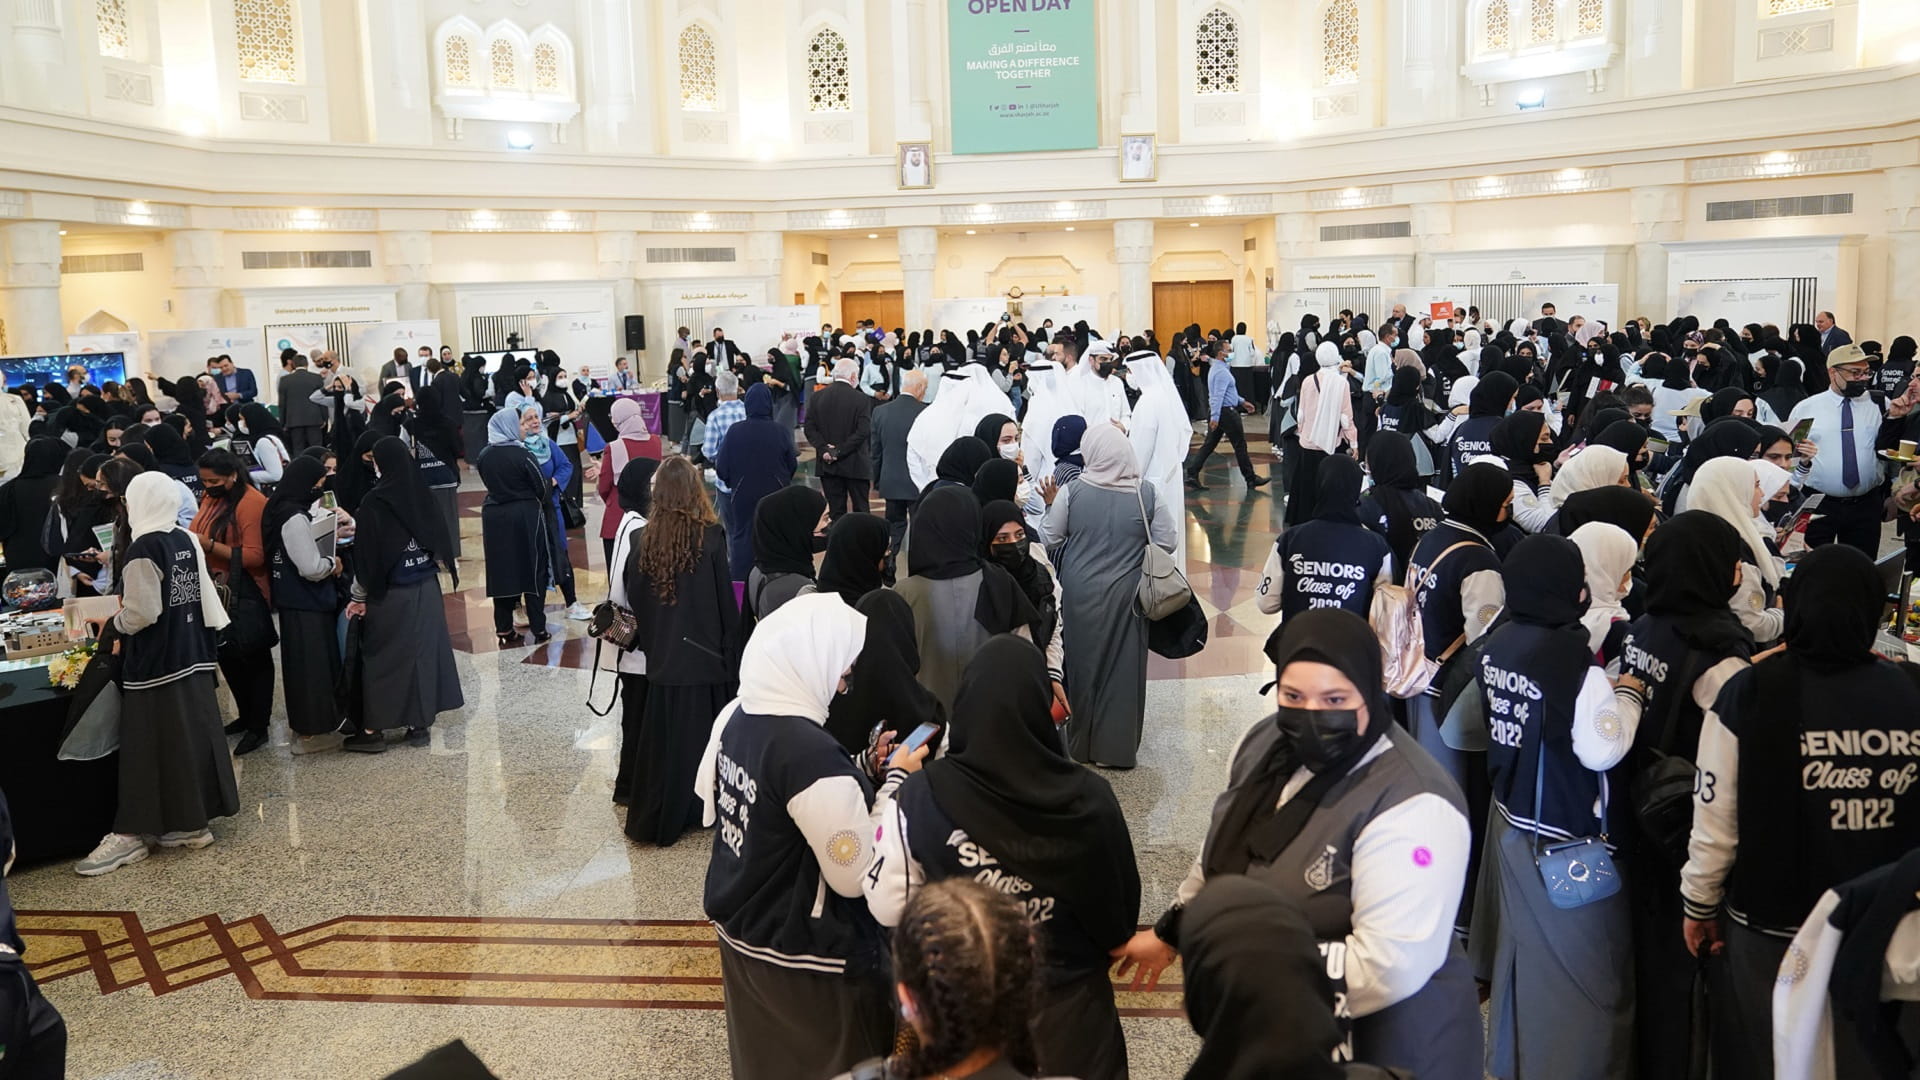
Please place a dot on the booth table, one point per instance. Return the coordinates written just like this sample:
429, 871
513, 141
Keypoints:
60, 809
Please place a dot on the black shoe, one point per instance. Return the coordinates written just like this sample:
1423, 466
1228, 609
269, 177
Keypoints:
366, 742
417, 736
1194, 483
249, 742
1259, 481
541, 637
509, 641
238, 727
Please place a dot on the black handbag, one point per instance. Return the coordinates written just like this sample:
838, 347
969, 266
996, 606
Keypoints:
572, 513
249, 626
1181, 634
1663, 785
348, 690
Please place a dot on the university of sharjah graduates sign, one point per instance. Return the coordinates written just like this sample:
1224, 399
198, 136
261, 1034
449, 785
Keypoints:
1021, 75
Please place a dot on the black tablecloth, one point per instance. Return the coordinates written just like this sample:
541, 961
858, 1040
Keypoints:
61, 809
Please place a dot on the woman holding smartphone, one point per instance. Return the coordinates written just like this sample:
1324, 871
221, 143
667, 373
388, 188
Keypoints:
1007, 797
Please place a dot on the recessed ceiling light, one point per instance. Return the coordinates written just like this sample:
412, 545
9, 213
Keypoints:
63, 232
873, 236
519, 140
1193, 224
970, 232
1069, 228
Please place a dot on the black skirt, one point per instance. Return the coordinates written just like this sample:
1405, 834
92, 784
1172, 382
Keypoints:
666, 757
310, 666
175, 771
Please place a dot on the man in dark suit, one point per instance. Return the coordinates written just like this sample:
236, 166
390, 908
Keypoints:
414, 373
1546, 325
722, 352
839, 425
305, 421
891, 422
235, 382
1831, 336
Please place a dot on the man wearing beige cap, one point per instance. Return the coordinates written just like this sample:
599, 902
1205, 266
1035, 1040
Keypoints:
1848, 429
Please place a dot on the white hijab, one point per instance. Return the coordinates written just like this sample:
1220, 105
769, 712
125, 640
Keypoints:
1724, 488
153, 505
1595, 466
1462, 391
1518, 328
1161, 444
1609, 553
1323, 427
792, 667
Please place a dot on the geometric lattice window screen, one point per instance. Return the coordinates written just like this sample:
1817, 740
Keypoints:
1789, 7
546, 68
1542, 15
1340, 42
1591, 18
263, 40
1216, 54
1497, 34
505, 63
699, 77
827, 81
457, 61
110, 21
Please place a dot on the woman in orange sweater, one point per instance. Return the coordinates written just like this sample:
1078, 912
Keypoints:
229, 526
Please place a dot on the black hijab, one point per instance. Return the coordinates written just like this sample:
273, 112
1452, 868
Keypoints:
1630, 510
1722, 403
783, 527
294, 494
1405, 395
635, 486
997, 479
1256, 986
1728, 436
946, 545
1547, 586
1517, 439
1835, 601
395, 512
1475, 496
260, 421
882, 688
1625, 436
856, 545
42, 459
1690, 564
1251, 831
1339, 479
1007, 780
1027, 572
960, 462
989, 428
1395, 472
1492, 394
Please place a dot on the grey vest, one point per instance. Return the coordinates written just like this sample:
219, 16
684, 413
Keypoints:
1435, 1032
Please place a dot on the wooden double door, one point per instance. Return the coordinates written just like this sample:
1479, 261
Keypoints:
1179, 304
887, 309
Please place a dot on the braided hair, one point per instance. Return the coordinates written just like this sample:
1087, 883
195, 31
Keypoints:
966, 956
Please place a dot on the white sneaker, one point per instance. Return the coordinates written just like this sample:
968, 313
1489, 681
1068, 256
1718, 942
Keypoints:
114, 852
191, 840
578, 612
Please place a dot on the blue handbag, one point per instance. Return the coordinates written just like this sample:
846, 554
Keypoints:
1576, 872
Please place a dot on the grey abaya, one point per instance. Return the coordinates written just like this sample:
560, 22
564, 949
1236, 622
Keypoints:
409, 674
1096, 537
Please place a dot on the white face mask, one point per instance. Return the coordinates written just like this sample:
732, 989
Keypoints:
1010, 450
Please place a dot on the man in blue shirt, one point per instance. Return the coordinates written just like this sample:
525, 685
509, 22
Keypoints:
1848, 428
1224, 406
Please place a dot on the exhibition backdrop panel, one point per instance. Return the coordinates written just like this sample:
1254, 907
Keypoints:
370, 345
173, 353
1021, 75
963, 313
127, 343
755, 328
1064, 311
1769, 300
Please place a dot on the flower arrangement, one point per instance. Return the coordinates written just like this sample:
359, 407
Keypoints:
66, 669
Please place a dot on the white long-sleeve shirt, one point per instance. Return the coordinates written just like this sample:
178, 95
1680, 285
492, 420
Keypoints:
1715, 838
1402, 922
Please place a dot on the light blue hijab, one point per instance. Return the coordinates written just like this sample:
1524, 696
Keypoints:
503, 429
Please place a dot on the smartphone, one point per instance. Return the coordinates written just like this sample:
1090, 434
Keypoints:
920, 737
329, 500
1801, 430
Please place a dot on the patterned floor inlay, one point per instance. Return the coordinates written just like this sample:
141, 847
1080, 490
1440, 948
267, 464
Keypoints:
416, 960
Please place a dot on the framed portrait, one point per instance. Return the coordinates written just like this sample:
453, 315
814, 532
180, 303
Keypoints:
1139, 159
914, 164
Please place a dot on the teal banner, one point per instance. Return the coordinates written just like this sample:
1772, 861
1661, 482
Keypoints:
1022, 75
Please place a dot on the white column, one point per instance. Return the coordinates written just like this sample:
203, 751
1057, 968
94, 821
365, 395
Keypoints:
766, 251
1432, 231
1903, 249
607, 73
912, 101
1423, 61
919, 247
1659, 52
39, 76
407, 256
1140, 106
32, 296
618, 254
1133, 252
399, 94
199, 261
1659, 215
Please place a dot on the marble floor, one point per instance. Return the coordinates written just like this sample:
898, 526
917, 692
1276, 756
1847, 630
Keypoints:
364, 909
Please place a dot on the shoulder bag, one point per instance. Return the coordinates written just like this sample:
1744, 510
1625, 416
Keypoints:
249, 620
1663, 784
1577, 872
1163, 589
1395, 618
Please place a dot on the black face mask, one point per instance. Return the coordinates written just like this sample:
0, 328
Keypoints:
1319, 737
1776, 512
1104, 368
1644, 421
1008, 553
819, 543
1854, 389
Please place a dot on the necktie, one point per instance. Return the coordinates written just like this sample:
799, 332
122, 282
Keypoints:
1849, 462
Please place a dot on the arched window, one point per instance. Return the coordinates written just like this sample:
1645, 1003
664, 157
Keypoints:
1216, 54
456, 61
110, 22
1789, 7
699, 76
263, 40
1591, 19
503, 64
546, 68
1542, 19
827, 81
1340, 42
1496, 34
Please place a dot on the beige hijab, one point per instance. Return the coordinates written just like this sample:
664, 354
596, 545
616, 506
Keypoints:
1110, 460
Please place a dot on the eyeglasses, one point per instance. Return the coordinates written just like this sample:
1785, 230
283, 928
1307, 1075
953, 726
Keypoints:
1854, 374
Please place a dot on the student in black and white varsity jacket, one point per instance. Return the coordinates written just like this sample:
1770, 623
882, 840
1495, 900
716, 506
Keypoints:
802, 961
